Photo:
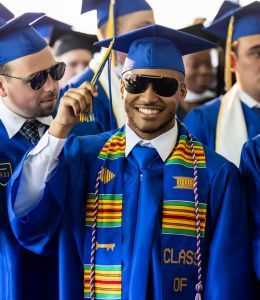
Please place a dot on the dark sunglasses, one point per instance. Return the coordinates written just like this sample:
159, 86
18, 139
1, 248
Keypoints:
39, 79
162, 86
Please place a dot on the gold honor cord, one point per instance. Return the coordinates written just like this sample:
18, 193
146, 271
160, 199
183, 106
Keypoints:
228, 73
90, 116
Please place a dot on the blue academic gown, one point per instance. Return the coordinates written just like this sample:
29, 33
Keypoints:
250, 169
23, 275
202, 122
103, 112
226, 248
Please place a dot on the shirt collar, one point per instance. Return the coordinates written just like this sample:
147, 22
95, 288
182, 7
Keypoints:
13, 122
248, 100
163, 144
193, 97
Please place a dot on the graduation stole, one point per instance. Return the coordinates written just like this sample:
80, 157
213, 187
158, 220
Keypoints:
183, 220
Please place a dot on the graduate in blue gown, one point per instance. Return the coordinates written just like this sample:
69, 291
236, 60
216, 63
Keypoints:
24, 116
250, 169
142, 212
226, 123
108, 109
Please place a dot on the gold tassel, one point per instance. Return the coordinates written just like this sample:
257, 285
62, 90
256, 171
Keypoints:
111, 28
90, 116
228, 73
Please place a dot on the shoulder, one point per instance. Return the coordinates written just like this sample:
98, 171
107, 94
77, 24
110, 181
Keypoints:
250, 156
208, 109
88, 145
217, 164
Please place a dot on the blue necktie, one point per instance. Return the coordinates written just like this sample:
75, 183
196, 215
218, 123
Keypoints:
150, 194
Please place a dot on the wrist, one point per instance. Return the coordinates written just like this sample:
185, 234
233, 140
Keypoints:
59, 130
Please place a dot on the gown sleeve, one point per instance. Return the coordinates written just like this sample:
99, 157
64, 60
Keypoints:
229, 273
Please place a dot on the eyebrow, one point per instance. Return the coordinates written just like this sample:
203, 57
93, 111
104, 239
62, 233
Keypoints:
255, 47
31, 75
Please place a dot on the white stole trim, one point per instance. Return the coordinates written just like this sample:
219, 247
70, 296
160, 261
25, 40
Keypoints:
231, 131
117, 102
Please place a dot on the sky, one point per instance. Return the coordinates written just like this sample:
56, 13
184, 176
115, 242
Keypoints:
170, 13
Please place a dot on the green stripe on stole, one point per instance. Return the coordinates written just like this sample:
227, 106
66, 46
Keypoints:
178, 221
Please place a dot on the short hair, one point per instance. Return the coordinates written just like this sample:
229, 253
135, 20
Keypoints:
5, 68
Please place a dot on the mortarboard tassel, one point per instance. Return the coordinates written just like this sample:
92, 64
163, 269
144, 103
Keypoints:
90, 116
111, 27
228, 73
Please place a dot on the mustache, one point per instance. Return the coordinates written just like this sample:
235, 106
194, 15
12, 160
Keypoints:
49, 95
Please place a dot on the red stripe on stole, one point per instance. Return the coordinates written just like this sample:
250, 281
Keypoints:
202, 218
107, 210
108, 282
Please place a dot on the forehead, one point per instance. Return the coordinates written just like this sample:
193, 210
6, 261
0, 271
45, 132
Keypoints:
198, 56
76, 54
134, 21
33, 63
249, 41
157, 72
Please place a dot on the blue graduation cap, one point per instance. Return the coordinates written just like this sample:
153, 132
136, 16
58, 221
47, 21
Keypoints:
46, 25
226, 7
5, 14
18, 38
246, 22
121, 7
156, 47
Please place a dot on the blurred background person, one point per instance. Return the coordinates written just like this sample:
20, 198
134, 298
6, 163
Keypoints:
226, 123
200, 73
75, 49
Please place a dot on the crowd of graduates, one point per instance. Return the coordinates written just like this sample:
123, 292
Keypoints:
130, 160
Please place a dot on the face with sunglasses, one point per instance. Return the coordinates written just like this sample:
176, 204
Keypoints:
151, 98
29, 85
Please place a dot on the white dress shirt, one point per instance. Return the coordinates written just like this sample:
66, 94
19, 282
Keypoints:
45, 156
248, 100
13, 122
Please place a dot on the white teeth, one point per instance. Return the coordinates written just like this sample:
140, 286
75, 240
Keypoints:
147, 111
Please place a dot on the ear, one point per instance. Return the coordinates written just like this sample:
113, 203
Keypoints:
2, 87
183, 91
122, 89
233, 61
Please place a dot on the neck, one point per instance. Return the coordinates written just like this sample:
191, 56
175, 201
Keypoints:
152, 134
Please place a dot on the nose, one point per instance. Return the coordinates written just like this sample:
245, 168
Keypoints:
50, 84
149, 93
205, 70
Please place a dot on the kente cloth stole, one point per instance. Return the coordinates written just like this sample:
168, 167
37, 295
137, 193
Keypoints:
179, 231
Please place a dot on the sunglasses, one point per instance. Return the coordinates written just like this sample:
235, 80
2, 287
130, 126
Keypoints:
39, 79
162, 86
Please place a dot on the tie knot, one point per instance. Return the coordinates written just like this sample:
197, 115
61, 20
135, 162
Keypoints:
144, 156
30, 130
